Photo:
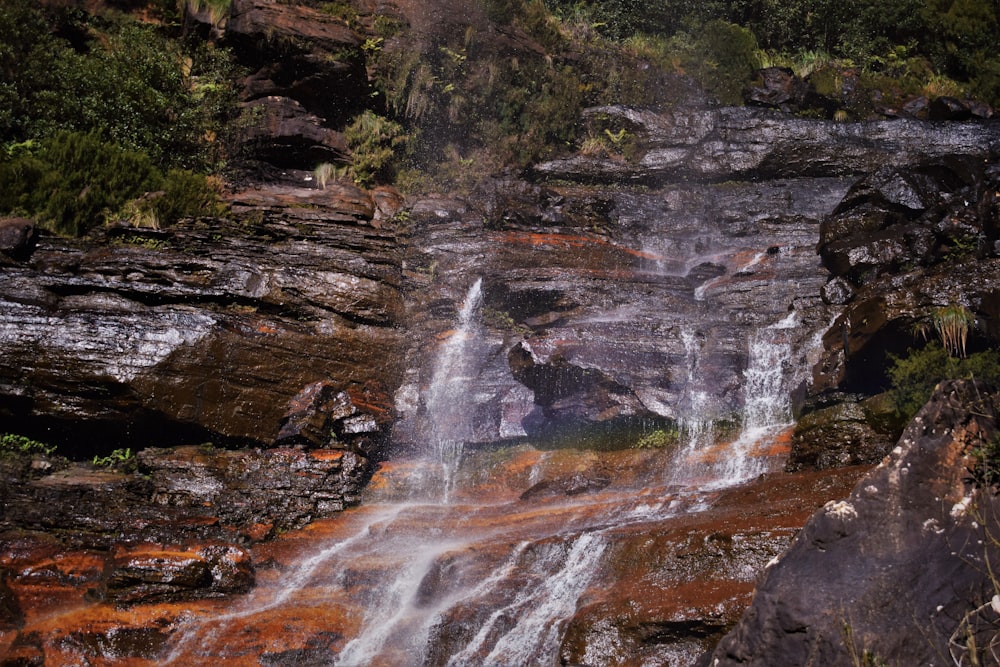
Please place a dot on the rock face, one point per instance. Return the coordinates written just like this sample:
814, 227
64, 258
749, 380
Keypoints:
208, 330
904, 555
740, 142
902, 243
605, 305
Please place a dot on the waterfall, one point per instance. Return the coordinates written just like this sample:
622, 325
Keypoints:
446, 399
542, 610
766, 405
694, 419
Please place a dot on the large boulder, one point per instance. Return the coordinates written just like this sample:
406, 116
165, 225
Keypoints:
898, 571
18, 237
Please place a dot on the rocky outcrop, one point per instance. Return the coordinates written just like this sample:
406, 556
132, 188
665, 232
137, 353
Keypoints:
206, 330
904, 556
18, 237
574, 403
903, 243
746, 142
844, 431
148, 574
300, 53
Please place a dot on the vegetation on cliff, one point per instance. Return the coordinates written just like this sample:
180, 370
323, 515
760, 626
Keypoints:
499, 87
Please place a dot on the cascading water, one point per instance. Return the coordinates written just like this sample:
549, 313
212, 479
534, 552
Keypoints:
444, 564
694, 419
446, 402
766, 405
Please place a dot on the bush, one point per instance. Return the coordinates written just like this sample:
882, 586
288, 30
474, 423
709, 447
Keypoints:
138, 88
76, 181
915, 376
375, 142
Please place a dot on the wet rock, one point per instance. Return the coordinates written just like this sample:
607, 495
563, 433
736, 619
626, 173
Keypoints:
24, 654
10, 611
283, 487
840, 435
18, 237
908, 543
837, 292
152, 573
322, 415
744, 142
573, 398
568, 486
209, 334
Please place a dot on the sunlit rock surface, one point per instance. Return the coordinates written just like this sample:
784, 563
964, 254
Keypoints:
206, 330
646, 545
905, 555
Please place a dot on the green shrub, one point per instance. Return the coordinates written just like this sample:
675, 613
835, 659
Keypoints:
169, 99
985, 470
721, 55
915, 376
375, 142
76, 182
11, 443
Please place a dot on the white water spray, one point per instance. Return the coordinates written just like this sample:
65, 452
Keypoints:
447, 397
767, 407
695, 420
542, 610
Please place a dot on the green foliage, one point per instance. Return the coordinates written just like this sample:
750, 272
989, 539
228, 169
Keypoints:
722, 55
11, 443
915, 376
138, 88
78, 181
952, 324
375, 142
121, 459
985, 469
953, 40
658, 439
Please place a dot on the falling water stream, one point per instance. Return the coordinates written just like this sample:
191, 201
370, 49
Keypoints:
472, 573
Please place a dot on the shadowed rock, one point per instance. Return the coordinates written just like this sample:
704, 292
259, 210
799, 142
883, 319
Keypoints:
903, 556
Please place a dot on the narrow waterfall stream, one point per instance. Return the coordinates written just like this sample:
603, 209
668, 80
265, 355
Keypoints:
446, 423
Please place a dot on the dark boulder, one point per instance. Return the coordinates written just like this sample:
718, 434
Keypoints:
18, 237
948, 108
897, 571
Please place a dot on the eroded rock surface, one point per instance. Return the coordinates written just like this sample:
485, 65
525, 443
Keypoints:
209, 329
903, 556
